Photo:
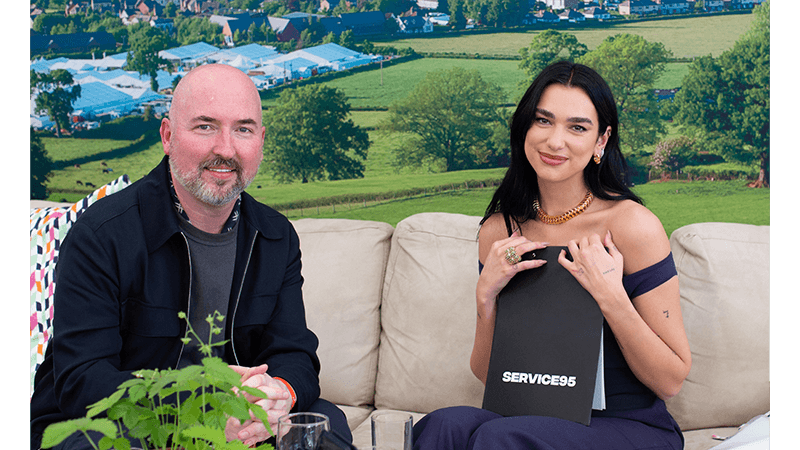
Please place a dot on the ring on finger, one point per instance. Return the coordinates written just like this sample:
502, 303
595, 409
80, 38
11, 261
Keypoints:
511, 256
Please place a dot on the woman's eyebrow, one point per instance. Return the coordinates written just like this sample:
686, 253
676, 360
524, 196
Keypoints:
550, 115
546, 113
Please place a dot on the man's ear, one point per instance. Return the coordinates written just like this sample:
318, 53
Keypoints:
166, 133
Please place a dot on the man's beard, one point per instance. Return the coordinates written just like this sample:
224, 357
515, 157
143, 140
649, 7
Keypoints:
211, 193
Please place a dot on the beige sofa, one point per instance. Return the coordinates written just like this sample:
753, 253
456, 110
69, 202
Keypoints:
394, 311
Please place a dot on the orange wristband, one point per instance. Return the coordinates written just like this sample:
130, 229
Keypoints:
289, 388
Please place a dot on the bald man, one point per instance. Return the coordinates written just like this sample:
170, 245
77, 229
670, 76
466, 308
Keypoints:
186, 237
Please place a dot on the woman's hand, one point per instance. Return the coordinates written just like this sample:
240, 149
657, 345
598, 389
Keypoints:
498, 268
598, 270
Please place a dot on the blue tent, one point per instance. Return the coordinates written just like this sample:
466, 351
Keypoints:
189, 54
98, 98
338, 57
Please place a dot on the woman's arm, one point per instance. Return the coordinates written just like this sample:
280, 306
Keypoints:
648, 328
493, 241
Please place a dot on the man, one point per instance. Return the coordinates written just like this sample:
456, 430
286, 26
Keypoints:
184, 238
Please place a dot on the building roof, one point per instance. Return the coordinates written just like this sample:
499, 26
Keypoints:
72, 41
334, 56
293, 61
106, 87
252, 52
363, 18
330, 52
110, 62
99, 97
191, 52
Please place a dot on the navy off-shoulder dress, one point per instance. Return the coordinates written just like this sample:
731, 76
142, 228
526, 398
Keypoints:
634, 418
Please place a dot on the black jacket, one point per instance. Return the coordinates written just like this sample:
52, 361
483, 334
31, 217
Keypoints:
124, 273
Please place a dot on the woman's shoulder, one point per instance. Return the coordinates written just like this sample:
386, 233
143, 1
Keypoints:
639, 235
634, 213
493, 229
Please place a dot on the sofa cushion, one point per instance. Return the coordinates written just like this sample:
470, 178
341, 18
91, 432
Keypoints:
723, 271
428, 315
49, 224
343, 269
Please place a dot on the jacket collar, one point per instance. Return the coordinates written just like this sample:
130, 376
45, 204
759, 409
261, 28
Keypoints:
160, 221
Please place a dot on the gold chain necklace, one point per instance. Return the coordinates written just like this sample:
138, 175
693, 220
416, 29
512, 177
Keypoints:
555, 220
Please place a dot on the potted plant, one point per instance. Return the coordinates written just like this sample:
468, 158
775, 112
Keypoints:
207, 396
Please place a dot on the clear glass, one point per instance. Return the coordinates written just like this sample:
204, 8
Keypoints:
391, 430
301, 431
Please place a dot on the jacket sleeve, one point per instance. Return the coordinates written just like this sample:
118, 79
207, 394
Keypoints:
86, 324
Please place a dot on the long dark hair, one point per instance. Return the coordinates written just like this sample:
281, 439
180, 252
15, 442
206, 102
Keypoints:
607, 180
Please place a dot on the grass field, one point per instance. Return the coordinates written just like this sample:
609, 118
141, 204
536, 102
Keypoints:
686, 38
675, 203
364, 89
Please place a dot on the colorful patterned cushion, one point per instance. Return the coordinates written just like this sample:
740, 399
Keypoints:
48, 227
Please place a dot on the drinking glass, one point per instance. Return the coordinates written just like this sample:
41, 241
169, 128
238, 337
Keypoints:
391, 430
301, 431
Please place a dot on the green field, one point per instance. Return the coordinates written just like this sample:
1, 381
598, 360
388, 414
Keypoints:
676, 203
686, 38
364, 89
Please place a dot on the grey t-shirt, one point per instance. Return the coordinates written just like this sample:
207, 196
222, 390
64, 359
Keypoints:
213, 257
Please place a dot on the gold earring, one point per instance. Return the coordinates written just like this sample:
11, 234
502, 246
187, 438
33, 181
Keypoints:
596, 158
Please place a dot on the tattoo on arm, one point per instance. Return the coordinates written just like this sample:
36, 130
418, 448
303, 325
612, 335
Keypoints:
666, 313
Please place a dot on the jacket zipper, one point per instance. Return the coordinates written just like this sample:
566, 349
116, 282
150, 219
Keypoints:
189, 300
239, 294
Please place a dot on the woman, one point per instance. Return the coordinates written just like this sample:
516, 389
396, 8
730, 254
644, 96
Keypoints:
565, 187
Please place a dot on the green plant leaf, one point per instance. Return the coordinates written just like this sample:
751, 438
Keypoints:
137, 392
206, 433
192, 410
55, 433
122, 444
254, 391
105, 443
220, 371
105, 403
236, 409
260, 415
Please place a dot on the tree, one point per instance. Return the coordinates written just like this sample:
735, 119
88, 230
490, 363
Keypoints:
452, 114
457, 18
310, 137
347, 40
673, 154
631, 65
145, 43
55, 95
41, 168
726, 99
548, 47
190, 30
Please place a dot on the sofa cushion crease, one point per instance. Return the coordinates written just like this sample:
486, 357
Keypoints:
429, 295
